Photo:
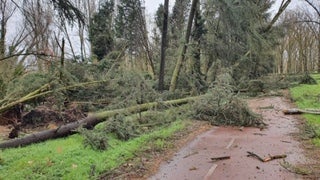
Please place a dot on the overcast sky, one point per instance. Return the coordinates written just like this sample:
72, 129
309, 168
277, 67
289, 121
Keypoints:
152, 5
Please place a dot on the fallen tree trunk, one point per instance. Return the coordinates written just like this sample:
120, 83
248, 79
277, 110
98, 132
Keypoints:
300, 111
88, 122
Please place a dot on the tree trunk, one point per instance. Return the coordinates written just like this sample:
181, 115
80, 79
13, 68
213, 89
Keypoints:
163, 44
181, 58
3, 36
276, 17
319, 51
62, 59
88, 122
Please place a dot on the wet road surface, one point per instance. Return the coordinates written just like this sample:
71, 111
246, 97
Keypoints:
193, 161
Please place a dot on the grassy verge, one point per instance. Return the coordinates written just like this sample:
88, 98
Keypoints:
69, 159
308, 96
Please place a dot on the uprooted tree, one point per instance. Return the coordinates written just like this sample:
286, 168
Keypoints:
87, 122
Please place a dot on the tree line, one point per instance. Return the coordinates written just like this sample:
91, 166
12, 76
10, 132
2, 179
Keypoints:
194, 46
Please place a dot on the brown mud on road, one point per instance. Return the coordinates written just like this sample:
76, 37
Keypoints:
193, 161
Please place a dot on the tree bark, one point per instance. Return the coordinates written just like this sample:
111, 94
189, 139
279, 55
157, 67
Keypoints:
88, 122
163, 44
276, 17
181, 58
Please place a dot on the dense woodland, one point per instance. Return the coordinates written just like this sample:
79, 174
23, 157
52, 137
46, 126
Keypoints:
87, 56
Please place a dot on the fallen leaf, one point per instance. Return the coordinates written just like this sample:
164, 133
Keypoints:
59, 150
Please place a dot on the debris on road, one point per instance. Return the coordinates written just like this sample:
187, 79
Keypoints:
251, 154
190, 154
219, 158
301, 111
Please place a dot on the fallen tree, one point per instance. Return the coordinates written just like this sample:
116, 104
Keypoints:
42, 92
301, 111
89, 122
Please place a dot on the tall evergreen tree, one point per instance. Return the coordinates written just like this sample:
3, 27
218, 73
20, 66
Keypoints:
130, 26
237, 38
163, 44
101, 33
178, 20
127, 22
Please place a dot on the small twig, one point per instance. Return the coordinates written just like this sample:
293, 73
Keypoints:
219, 158
268, 158
254, 155
190, 154
259, 134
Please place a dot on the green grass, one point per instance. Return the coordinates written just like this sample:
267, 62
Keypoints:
68, 158
308, 96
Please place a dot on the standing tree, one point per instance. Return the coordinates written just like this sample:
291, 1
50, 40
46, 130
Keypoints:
237, 39
163, 44
101, 33
183, 51
130, 27
7, 9
178, 20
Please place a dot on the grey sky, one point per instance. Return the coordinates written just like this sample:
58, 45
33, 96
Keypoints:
152, 5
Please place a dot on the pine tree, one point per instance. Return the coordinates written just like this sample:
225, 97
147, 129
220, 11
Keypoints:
236, 36
101, 33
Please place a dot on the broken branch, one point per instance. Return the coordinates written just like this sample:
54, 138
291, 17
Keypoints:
301, 111
220, 158
88, 122
251, 154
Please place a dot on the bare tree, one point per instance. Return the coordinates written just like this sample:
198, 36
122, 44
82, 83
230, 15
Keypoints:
7, 9
38, 20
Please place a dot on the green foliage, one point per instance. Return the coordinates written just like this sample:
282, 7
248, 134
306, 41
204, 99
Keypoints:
27, 83
307, 79
101, 33
129, 24
68, 159
308, 97
123, 128
236, 37
178, 21
159, 17
2, 88
220, 107
97, 140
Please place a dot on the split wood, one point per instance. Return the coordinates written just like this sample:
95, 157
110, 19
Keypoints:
251, 154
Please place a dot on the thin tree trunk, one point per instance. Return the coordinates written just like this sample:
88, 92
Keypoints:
276, 17
181, 58
319, 50
69, 41
62, 59
163, 45
145, 42
3, 36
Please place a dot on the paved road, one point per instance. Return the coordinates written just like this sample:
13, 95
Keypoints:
193, 162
